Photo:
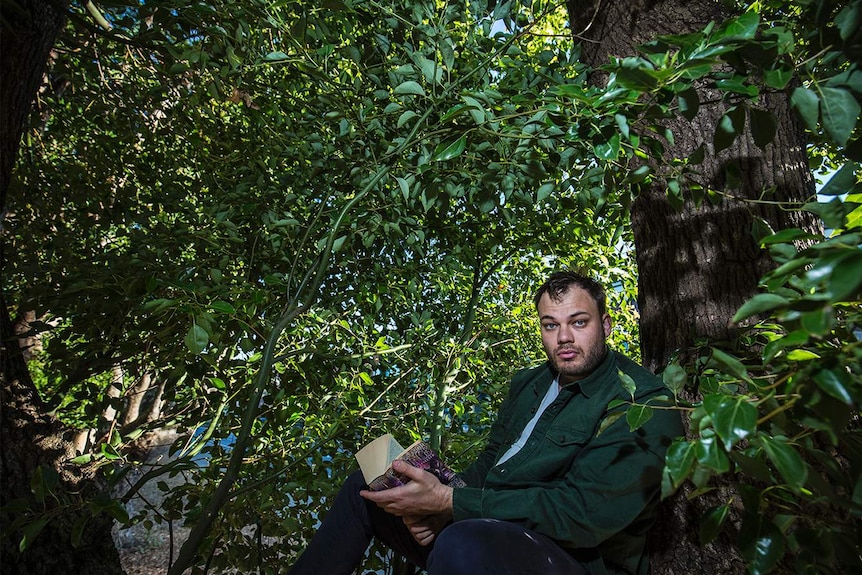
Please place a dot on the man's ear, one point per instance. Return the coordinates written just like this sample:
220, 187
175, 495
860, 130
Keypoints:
607, 324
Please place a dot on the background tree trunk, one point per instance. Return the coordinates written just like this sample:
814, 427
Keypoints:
696, 266
30, 439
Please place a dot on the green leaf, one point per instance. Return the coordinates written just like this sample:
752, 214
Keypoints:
754, 467
763, 127
841, 181
544, 191
760, 229
709, 453
31, 531
832, 213
609, 150
454, 112
405, 117
689, 103
622, 124
223, 307
839, 110
637, 415
446, 151
759, 304
849, 20
778, 78
196, 339
730, 363
846, 280
854, 218
743, 27
430, 70
405, 188
477, 111
409, 88
729, 127
733, 418
637, 74
737, 85
638, 175
788, 235
851, 78
807, 104
674, 194
612, 418
680, 460
118, 512
833, 383
760, 542
628, 383
801, 355
712, 522
794, 338
786, 459
275, 57
336, 245
675, 378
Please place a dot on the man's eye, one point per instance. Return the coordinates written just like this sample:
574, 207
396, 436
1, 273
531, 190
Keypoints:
549, 326
580, 322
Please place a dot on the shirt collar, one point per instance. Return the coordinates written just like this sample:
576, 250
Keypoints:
594, 382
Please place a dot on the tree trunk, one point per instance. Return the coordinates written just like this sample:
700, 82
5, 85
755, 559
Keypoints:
696, 266
33, 444
27, 37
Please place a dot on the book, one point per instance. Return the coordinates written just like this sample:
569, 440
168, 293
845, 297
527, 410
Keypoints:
375, 461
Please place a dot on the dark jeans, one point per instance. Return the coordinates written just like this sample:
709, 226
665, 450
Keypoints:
470, 547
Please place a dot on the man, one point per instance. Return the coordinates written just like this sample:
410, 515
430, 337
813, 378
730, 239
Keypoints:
550, 494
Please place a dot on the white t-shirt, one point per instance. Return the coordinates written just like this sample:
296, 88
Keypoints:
550, 396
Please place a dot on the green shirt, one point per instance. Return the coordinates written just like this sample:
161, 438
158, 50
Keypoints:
594, 494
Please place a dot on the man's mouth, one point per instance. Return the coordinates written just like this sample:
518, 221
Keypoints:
567, 353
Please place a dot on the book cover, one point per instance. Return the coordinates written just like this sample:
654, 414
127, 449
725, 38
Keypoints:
375, 461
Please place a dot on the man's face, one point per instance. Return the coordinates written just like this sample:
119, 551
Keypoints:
573, 333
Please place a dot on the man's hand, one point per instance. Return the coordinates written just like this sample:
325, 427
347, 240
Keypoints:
425, 529
423, 496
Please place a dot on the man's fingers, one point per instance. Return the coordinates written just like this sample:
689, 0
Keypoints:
423, 534
412, 472
425, 541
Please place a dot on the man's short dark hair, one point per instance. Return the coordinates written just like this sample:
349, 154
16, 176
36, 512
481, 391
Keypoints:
559, 283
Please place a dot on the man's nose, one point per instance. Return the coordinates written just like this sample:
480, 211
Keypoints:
565, 334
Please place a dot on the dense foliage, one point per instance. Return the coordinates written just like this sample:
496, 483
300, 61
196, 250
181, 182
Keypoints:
309, 224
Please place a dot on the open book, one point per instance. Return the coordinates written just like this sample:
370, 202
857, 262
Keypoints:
375, 461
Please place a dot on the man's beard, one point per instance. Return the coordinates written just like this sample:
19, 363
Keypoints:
591, 358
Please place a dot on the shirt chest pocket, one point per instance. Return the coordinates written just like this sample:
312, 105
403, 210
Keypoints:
555, 452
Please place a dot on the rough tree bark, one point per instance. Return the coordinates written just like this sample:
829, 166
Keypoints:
30, 438
698, 265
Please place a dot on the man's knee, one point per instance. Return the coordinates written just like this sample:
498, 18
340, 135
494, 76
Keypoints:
462, 548
477, 546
